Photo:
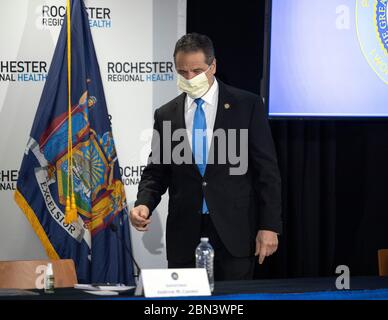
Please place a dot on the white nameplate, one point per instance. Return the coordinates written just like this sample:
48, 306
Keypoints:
174, 282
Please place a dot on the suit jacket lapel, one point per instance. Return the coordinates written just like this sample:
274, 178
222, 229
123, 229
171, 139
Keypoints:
179, 115
224, 99
222, 121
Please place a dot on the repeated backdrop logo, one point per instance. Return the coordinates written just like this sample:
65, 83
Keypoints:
49, 16
8, 179
52, 16
23, 71
134, 41
131, 174
140, 71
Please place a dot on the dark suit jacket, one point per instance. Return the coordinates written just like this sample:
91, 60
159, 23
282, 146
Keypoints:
239, 205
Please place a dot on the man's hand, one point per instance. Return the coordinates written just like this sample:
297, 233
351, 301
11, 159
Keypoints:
139, 217
266, 244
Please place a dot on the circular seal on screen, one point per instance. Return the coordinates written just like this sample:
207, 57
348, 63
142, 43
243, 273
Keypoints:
174, 276
372, 32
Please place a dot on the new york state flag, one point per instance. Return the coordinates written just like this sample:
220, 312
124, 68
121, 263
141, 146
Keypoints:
69, 185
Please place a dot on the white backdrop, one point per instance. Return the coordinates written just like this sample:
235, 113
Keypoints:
127, 35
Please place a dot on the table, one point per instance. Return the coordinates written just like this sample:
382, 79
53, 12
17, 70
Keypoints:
362, 288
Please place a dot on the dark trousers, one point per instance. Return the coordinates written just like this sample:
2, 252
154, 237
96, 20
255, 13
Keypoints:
226, 266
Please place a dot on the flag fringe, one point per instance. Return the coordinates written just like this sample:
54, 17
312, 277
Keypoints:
31, 217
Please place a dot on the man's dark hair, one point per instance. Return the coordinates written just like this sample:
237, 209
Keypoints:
193, 42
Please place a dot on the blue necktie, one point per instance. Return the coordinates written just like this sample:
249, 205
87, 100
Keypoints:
200, 142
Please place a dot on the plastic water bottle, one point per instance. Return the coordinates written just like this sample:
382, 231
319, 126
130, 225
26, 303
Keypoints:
204, 258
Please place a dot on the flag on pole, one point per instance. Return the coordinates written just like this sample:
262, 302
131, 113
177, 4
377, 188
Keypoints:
69, 184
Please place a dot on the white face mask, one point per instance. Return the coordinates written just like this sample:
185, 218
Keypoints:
195, 87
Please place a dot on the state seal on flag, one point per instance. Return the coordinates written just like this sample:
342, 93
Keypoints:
372, 32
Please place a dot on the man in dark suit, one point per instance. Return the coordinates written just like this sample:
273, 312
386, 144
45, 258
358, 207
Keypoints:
237, 207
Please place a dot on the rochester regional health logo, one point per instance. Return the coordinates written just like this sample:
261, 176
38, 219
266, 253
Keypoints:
23, 70
372, 31
140, 71
52, 16
8, 179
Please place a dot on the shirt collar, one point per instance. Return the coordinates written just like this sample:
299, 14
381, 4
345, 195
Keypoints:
210, 97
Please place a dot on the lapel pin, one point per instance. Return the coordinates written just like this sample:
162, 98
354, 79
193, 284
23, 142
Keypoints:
227, 106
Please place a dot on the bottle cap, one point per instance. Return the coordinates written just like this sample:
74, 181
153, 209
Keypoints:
49, 269
204, 239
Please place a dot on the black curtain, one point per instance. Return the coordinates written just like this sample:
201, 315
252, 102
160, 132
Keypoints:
334, 172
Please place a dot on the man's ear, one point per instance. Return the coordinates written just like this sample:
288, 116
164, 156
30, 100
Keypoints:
215, 66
